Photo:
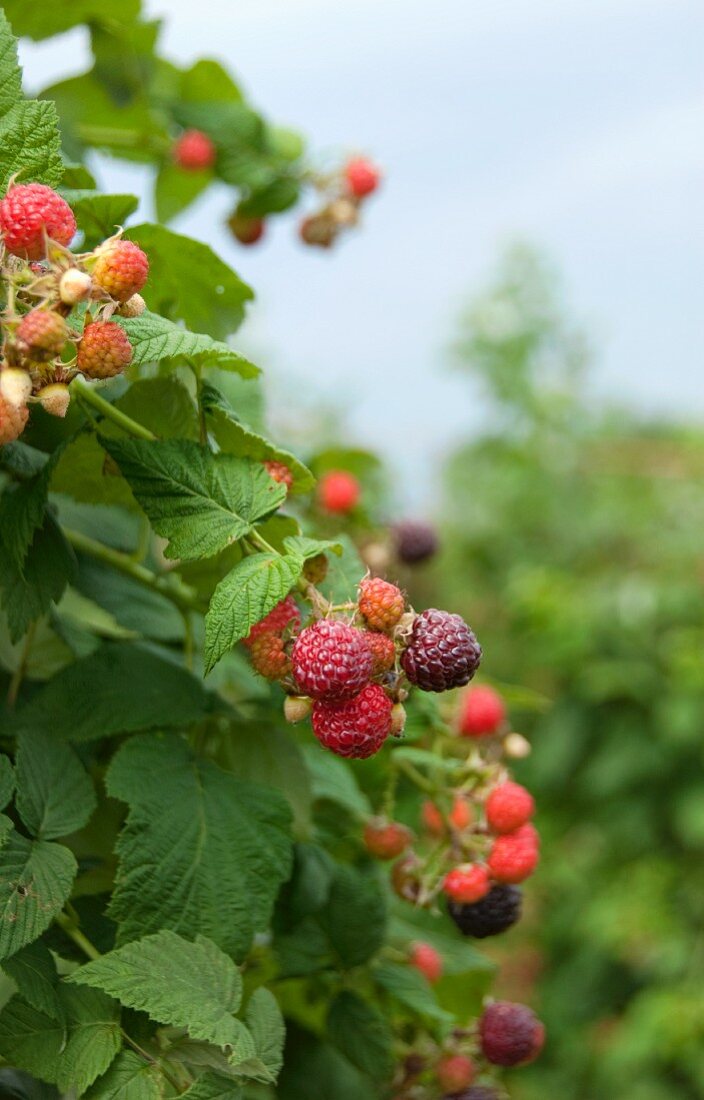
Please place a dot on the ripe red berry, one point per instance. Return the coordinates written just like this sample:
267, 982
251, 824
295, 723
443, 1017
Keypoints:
31, 212
338, 491
269, 658
361, 176
482, 712
442, 653
426, 959
286, 612
41, 334
510, 1034
194, 151
104, 350
121, 269
386, 839
383, 651
460, 816
331, 661
12, 420
356, 728
508, 807
382, 604
455, 1072
246, 230
280, 472
468, 883
514, 856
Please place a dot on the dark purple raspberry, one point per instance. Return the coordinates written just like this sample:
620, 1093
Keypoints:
415, 541
331, 661
494, 913
443, 652
476, 1092
510, 1034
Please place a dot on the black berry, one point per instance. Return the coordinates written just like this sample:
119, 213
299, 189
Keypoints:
496, 912
415, 541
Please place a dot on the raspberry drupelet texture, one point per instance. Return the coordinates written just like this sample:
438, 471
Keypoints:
12, 420
361, 177
194, 151
104, 350
356, 728
41, 334
280, 472
386, 839
331, 661
467, 883
425, 958
121, 269
284, 614
30, 213
482, 712
381, 603
443, 652
415, 541
514, 856
510, 1034
508, 807
269, 658
495, 913
338, 491
383, 651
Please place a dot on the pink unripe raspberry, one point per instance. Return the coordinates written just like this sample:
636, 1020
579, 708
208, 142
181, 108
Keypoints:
55, 399
30, 213
104, 350
510, 1034
514, 856
382, 604
41, 335
246, 230
331, 661
455, 1072
121, 269
338, 491
482, 712
425, 958
285, 614
280, 472
194, 151
383, 651
356, 728
508, 807
269, 658
386, 839
74, 286
12, 420
466, 884
361, 176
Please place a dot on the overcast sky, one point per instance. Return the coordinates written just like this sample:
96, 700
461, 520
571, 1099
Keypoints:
574, 123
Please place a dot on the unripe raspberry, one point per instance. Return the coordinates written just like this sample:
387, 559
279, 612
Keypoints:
246, 230
455, 1072
510, 1034
482, 712
338, 491
361, 177
514, 856
284, 615
30, 213
104, 350
460, 816
382, 604
15, 386
297, 708
398, 719
466, 884
508, 807
331, 661
12, 420
318, 230
415, 541
383, 651
41, 335
425, 958
386, 839
133, 307
55, 399
442, 653
516, 746
280, 472
356, 728
269, 658
344, 213
376, 556
121, 269
405, 878
74, 286
194, 151
315, 569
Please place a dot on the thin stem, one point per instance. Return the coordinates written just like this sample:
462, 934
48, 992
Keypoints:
73, 932
91, 397
19, 673
415, 776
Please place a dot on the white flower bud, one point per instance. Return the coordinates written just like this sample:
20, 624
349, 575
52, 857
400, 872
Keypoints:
297, 707
74, 286
516, 746
15, 386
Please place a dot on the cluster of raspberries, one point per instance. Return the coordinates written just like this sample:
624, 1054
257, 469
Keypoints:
350, 674
41, 351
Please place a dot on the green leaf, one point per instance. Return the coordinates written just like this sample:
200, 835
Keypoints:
22, 508
94, 1037
243, 597
30, 144
333, 781
265, 754
55, 796
7, 781
163, 405
309, 1059
31, 1040
222, 844
310, 548
212, 1087
266, 1024
155, 339
176, 188
199, 501
10, 72
36, 877
33, 971
99, 216
362, 1034
40, 21
411, 990
355, 916
344, 574
129, 1078
120, 688
48, 567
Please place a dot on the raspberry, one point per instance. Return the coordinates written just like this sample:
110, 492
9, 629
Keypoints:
55, 399
74, 286
460, 816
15, 386
133, 307
510, 1034
496, 912
318, 230
415, 541
467, 883
280, 472
269, 658
356, 728
426, 959
383, 651
338, 491
315, 569
361, 176
31, 212
382, 604
482, 712
455, 1072
443, 652
477, 1092
194, 150
331, 661
121, 269
398, 719
508, 807
246, 230
285, 612
514, 856
296, 708
104, 350
386, 839
12, 420
405, 878
42, 335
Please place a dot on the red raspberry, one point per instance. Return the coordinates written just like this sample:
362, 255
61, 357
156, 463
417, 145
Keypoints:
269, 658
356, 728
426, 959
386, 839
194, 150
482, 712
510, 1034
514, 856
443, 652
42, 334
121, 269
12, 420
104, 350
467, 883
455, 1072
280, 472
415, 541
382, 604
361, 176
29, 213
285, 612
338, 491
331, 661
460, 816
383, 651
508, 807
246, 230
